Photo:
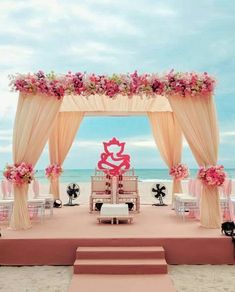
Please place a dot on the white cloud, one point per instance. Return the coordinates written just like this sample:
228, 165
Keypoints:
135, 143
15, 55
227, 134
86, 144
227, 137
161, 10
5, 135
94, 52
105, 23
6, 149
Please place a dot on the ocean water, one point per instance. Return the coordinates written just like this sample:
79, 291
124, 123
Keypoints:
83, 175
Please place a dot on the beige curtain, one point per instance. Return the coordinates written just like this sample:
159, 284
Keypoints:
197, 118
60, 141
168, 137
34, 119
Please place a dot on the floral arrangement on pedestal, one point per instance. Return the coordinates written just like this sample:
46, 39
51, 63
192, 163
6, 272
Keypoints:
179, 171
53, 171
212, 176
173, 83
19, 173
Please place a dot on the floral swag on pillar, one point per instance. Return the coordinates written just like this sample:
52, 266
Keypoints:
179, 171
213, 176
53, 171
19, 173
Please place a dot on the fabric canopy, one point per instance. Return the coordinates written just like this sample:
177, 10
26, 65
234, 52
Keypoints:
101, 103
188, 95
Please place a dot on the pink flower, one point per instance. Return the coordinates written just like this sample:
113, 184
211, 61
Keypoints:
53, 171
213, 176
19, 173
173, 83
179, 171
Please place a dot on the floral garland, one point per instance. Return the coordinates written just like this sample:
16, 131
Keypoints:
212, 176
172, 83
19, 173
53, 170
179, 171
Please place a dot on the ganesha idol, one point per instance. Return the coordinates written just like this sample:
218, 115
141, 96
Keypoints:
112, 160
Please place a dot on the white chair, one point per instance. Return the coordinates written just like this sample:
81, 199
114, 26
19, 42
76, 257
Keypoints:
6, 187
226, 202
185, 202
49, 201
6, 207
100, 191
189, 202
129, 172
127, 191
36, 208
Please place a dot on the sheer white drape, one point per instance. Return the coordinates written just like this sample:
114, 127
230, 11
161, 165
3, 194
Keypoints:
197, 118
34, 120
168, 137
60, 141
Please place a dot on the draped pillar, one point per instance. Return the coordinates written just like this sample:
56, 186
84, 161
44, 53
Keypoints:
197, 118
34, 119
60, 141
168, 137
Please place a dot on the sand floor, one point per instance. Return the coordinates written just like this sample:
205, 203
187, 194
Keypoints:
200, 278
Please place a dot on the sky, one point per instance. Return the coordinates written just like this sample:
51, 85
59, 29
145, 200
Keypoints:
108, 36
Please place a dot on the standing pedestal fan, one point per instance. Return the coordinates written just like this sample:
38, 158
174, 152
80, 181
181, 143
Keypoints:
159, 191
73, 192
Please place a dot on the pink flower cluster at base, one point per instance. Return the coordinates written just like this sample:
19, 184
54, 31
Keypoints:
179, 171
173, 83
19, 173
212, 176
53, 170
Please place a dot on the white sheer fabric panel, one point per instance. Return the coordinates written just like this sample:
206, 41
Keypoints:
100, 103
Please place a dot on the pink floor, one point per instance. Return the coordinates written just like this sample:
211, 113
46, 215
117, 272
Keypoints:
55, 241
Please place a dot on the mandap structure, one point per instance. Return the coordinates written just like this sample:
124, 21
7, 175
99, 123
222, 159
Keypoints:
51, 108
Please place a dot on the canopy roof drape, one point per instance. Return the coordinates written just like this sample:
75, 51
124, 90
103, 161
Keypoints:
121, 104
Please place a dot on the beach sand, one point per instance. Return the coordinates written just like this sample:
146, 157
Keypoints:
186, 278
200, 278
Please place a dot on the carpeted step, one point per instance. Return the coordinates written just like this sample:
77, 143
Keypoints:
120, 266
120, 252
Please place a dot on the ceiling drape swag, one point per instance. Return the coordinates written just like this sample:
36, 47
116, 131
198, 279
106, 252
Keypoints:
34, 120
197, 118
60, 141
168, 137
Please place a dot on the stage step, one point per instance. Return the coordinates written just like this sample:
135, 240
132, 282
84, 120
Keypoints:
116, 267
120, 266
120, 252
124, 283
